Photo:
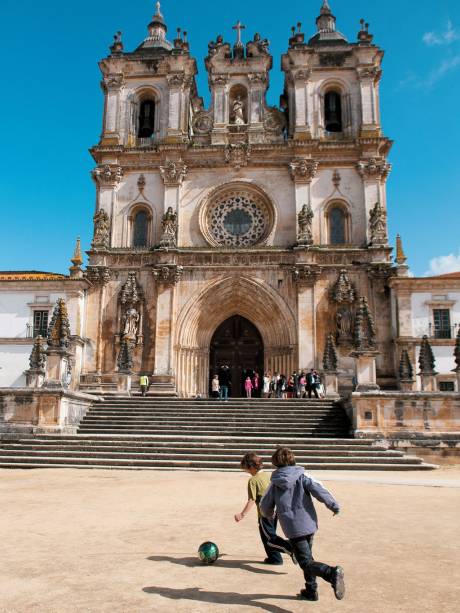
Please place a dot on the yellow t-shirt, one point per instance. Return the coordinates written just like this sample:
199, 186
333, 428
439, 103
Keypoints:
257, 486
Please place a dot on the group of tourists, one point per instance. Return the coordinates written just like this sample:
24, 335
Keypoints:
276, 385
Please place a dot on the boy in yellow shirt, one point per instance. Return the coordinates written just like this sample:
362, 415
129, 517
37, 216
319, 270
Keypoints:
257, 486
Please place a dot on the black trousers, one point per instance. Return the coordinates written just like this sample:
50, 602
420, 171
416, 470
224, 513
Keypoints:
267, 531
143, 389
302, 546
314, 389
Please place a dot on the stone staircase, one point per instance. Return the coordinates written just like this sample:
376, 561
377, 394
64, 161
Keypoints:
160, 433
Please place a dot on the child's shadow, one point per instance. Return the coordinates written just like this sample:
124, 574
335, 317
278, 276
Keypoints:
230, 598
193, 562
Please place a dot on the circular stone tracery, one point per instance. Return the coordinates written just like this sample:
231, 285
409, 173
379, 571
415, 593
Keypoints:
237, 217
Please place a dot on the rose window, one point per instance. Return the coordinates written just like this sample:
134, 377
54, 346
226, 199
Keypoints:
237, 218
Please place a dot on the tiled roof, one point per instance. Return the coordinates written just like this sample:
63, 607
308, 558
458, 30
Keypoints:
29, 275
448, 275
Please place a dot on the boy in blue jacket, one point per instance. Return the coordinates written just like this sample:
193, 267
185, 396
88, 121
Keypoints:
290, 494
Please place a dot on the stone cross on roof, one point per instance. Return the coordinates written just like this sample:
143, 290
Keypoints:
239, 26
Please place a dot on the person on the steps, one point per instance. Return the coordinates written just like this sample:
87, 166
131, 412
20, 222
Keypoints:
312, 384
144, 383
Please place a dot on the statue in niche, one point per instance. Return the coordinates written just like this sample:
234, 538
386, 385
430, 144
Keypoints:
130, 324
238, 112
169, 228
344, 325
305, 219
101, 229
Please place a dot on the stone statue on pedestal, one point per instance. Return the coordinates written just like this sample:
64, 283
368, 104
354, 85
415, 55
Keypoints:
238, 112
101, 230
169, 237
130, 324
305, 220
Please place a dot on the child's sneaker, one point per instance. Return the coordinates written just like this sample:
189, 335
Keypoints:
337, 582
309, 595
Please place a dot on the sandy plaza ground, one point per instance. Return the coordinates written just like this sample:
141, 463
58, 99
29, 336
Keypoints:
109, 541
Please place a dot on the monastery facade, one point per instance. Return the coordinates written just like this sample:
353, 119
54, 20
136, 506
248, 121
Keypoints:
240, 234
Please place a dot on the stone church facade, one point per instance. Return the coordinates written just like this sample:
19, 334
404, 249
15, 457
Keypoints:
264, 225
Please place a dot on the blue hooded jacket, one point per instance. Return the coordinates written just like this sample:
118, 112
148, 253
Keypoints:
290, 492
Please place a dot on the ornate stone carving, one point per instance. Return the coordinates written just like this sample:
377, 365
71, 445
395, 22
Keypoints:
406, 371
202, 122
303, 170
373, 169
101, 238
173, 173
37, 359
274, 120
59, 329
336, 179
107, 175
220, 79
215, 46
378, 226
364, 329
169, 236
168, 274
330, 355
125, 356
302, 75
131, 292
305, 275
112, 82
117, 46
258, 46
98, 275
237, 154
141, 183
343, 290
175, 79
305, 220
130, 322
369, 72
333, 59
426, 359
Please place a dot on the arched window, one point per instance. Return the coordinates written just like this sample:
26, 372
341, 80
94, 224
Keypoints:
337, 226
146, 126
333, 112
141, 229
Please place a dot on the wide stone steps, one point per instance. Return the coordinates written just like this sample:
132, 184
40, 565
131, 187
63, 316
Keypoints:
173, 434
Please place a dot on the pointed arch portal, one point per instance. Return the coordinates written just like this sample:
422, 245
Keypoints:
250, 300
237, 343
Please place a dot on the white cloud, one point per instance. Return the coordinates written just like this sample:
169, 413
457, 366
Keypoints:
444, 38
443, 265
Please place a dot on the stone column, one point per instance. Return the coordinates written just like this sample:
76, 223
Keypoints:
173, 172
302, 129
111, 85
256, 97
366, 372
221, 109
176, 88
57, 368
369, 77
167, 276
305, 278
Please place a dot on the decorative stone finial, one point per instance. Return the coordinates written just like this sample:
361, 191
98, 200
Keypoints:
117, 46
457, 352
77, 261
406, 371
364, 336
59, 328
157, 32
125, 357
363, 35
426, 359
37, 359
400, 257
330, 355
343, 291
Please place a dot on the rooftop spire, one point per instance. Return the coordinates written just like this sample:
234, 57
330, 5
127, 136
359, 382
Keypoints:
326, 25
157, 32
77, 261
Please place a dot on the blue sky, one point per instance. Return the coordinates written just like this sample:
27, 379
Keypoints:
51, 108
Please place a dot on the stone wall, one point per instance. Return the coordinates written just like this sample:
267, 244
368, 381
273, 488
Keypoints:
27, 411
